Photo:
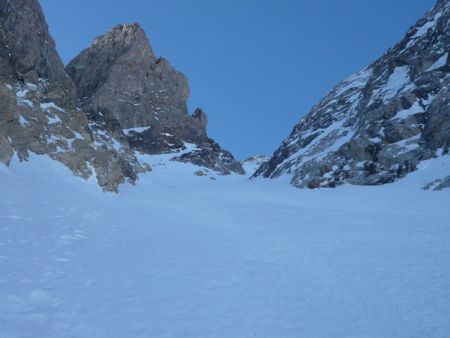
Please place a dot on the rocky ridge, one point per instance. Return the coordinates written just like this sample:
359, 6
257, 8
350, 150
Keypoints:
67, 115
38, 111
120, 78
379, 124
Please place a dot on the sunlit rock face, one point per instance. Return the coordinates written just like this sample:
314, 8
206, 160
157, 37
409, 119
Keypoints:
120, 77
114, 99
38, 105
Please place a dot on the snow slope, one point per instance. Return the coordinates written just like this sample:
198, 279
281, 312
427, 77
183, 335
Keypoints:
377, 125
179, 255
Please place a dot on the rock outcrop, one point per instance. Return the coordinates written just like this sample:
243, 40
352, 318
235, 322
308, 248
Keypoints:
120, 77
27, 51
38, 111
377, 125
213, 157
115, 99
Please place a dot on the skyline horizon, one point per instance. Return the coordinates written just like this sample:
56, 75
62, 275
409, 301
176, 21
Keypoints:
218, 126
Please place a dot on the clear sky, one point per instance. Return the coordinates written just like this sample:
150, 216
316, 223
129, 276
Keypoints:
255, 66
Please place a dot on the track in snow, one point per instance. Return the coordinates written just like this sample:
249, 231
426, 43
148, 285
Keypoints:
185, 256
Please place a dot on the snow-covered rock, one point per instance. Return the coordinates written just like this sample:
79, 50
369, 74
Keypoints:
85, 124
377, 125
120, 78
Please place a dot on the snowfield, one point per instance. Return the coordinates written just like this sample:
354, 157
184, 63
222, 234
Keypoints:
184, 256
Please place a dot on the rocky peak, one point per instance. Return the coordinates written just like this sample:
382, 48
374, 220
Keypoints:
120, 75
122, 99
93, 68
377, 125
28, 52
119, 78
38, 112
112, 100
124, 37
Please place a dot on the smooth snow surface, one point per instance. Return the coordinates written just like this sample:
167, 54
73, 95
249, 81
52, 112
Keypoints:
396, 81
441, 62
184, 256
406, 113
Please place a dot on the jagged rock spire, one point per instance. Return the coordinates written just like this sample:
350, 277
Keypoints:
38, 112
95, 66
120, 75
119, 78
118, 84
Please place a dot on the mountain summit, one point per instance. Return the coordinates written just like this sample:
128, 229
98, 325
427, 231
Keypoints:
379, 124
119, 74
112, 102
142, 99
38, 110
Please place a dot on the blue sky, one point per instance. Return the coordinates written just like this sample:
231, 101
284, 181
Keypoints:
255, 66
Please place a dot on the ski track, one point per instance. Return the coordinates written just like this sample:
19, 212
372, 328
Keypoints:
183, 256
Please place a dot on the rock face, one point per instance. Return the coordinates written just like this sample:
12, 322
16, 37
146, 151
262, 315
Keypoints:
27, 52
120, 77
213, 157
44, 111
38, 111
377, 125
